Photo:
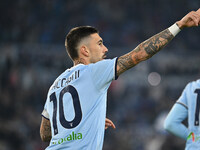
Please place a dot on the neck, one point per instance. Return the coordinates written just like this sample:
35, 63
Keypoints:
80, 61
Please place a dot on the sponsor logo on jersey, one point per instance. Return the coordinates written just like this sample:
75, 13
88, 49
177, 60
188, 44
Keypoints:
71, 137
194, 137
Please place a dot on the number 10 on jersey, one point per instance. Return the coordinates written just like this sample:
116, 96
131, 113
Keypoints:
77, 109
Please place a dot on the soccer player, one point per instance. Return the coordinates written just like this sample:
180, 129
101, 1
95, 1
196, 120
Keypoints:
75, 107
187, 106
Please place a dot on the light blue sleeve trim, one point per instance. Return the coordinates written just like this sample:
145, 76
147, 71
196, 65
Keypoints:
173, 122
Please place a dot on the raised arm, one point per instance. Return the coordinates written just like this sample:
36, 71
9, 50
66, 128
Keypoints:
154, 44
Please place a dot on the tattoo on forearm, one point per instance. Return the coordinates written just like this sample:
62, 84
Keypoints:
45, 131
144, 51
157, 42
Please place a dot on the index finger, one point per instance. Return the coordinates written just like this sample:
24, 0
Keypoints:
111, 123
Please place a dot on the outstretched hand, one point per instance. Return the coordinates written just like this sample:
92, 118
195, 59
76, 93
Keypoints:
192, 19
109, 123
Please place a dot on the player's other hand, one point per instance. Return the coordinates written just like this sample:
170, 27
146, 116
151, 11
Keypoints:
192, 19
109, 123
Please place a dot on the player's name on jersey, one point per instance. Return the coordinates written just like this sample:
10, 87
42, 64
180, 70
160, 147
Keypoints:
65, 81
71, 137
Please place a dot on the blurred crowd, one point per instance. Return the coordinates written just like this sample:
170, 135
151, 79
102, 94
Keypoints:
121, 23
32, 55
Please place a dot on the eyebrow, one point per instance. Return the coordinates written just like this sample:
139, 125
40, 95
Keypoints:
100, 41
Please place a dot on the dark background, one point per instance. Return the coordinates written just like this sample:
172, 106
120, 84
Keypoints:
32, 55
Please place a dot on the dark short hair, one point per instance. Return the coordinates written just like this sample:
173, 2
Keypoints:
74, 37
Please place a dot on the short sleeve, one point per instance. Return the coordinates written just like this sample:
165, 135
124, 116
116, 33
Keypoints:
103, 72
45, 114
183, 98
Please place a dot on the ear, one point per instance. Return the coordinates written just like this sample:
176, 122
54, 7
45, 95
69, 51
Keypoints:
84, 51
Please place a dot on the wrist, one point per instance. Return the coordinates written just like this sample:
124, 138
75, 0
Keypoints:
179, 24
174, 29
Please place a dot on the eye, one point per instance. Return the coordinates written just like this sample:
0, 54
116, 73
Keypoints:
100, 43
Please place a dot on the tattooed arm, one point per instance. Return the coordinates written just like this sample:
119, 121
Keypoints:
45, 130
154, 44
143, 51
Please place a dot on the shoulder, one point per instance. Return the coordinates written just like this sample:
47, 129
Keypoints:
104, 63
195, 84
192, 86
